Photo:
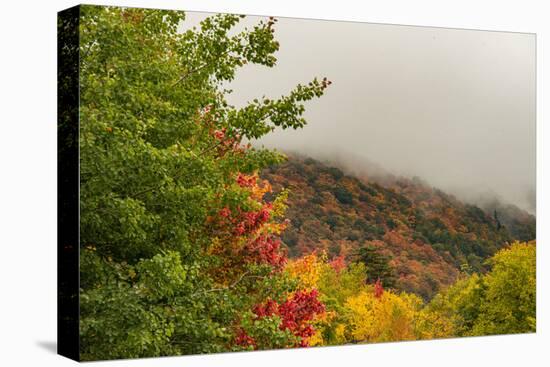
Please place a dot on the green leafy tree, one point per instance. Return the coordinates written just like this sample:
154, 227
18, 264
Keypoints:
503, 301
161, 159
509, 304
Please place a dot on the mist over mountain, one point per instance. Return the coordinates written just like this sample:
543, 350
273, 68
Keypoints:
408, 100
429, 235
363, 168
405, 101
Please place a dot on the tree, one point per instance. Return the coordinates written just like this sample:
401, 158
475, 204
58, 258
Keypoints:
377, 266
343, 195
501, 302
509, 304
169, 200
382, 317
497, 220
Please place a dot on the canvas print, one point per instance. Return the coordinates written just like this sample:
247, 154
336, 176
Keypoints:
235, 183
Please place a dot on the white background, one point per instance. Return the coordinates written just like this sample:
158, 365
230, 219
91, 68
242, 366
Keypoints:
28, 183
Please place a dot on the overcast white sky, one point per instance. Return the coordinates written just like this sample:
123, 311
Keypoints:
454, 107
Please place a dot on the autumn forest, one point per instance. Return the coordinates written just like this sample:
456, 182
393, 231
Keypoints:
195, 239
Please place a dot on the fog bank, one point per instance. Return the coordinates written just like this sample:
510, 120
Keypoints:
454, 107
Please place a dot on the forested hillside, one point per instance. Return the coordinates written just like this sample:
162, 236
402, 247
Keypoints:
427, 236
183, 246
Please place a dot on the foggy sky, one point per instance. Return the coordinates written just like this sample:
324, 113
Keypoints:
454, 107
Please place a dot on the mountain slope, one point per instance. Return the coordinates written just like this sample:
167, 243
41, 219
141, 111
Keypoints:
429, 235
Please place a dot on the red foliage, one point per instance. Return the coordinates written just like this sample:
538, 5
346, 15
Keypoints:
266, 249
338, 264
260, 248
245, 222
225, 212
220, 134
226, 141
270, 307
246, 181
295, 313
250, 221
245, 340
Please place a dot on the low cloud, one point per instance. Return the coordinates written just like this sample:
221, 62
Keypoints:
454, 107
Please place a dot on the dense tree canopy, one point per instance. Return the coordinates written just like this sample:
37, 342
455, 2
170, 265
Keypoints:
421, 236
503, 301
178, 243
181, 248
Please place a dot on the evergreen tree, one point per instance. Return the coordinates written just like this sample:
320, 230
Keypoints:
377, 266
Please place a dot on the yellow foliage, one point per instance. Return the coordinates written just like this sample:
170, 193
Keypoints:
279, 204
307, 270
340, 333
387, 318
316, 339
433, 325
257, 191
474, 305
278, 210
272, 228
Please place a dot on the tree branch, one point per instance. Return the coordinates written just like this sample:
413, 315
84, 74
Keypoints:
233, 285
